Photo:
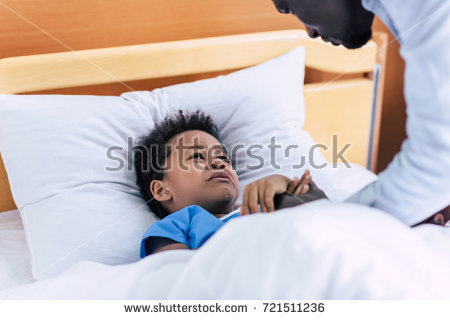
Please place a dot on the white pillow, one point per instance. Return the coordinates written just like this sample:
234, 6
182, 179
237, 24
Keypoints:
75, 208
250, 107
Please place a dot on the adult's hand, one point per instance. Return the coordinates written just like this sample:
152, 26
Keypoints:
440, 218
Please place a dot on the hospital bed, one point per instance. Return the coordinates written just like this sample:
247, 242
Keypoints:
355, 261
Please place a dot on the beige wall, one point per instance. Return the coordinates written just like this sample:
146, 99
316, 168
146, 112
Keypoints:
42, 26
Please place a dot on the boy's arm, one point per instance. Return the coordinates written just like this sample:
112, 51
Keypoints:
159, 244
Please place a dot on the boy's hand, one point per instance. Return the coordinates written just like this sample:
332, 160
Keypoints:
263, 191
300, 186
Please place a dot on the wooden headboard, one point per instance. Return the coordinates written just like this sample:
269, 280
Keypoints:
349, 108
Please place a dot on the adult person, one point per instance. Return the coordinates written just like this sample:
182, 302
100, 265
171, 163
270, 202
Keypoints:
416, 183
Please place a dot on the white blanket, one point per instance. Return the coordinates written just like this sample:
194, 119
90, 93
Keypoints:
322, 250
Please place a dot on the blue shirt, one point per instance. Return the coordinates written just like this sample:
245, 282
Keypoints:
191, 226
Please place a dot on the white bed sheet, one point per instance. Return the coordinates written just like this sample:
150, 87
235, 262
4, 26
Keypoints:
15, 267
322, 250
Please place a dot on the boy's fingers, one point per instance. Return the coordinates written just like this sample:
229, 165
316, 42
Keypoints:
253, 200
261, 190
299, 189
306, 173
303, 179
269, 194
292, 185
303, 190
304, 186
244, 207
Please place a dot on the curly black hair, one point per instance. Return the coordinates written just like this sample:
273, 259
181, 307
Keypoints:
152, 150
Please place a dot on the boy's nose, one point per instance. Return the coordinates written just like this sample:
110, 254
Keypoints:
217, 164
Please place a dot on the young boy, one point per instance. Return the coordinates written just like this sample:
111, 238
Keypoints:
187, 179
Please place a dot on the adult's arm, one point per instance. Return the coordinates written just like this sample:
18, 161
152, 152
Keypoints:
416, 184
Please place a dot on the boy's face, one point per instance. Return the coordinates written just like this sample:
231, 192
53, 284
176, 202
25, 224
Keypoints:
198, 172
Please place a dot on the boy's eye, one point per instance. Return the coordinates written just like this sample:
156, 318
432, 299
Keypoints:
197, 155
225, 158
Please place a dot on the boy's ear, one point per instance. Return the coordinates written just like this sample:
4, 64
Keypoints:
160, 191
